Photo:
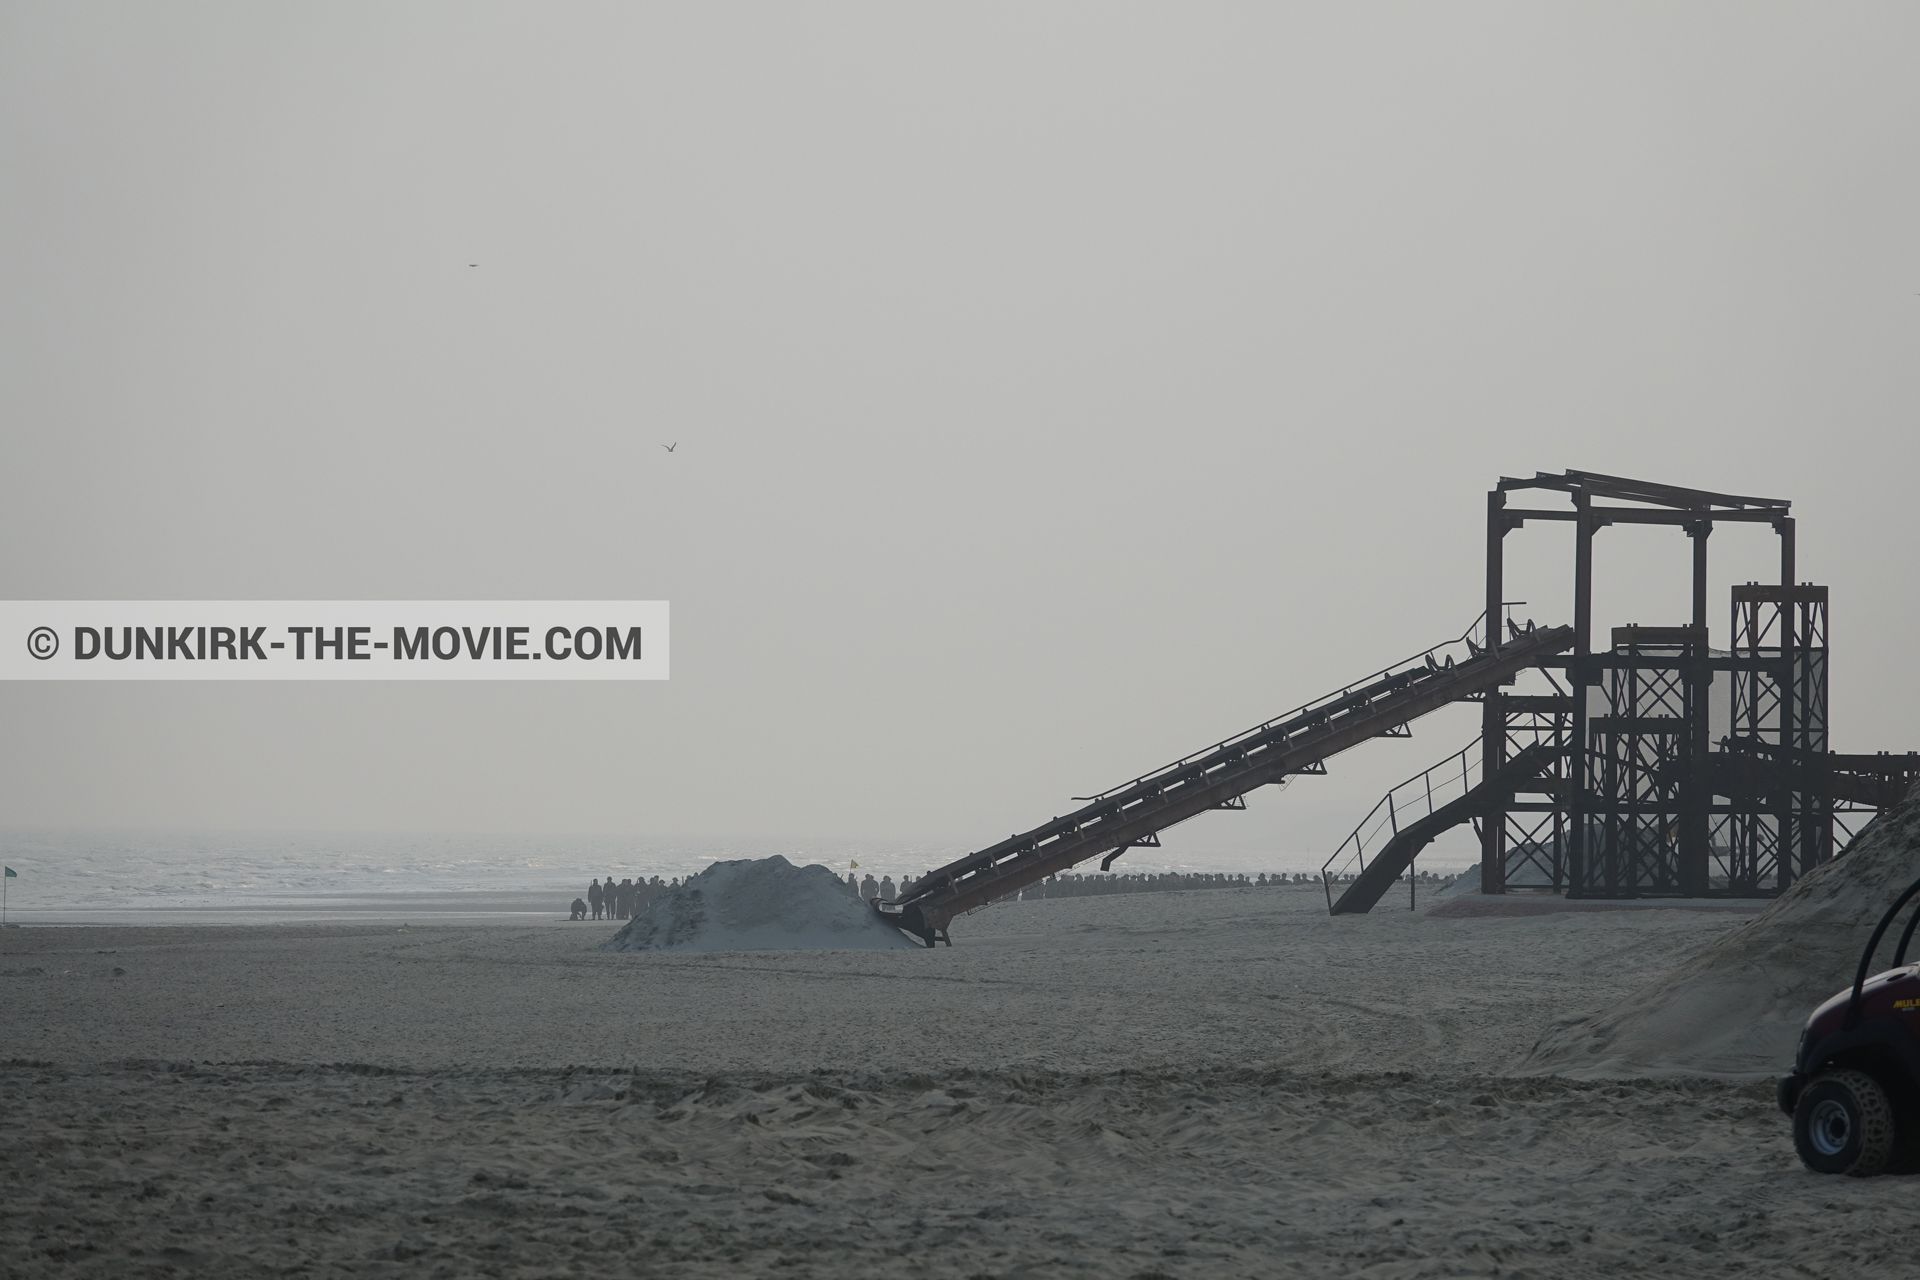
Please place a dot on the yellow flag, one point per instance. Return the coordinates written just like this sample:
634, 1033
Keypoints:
852, 863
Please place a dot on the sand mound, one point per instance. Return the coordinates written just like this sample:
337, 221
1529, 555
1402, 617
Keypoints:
1523, 875
763, 905
1735, 1008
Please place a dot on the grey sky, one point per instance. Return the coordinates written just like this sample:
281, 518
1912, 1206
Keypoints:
1058, 388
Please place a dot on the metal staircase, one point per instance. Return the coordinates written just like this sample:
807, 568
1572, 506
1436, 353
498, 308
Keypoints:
1411, 815
1218, 777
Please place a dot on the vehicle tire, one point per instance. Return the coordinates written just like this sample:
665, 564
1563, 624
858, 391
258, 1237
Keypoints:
1843, 1123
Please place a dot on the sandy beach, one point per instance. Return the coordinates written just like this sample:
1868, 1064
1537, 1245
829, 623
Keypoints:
1193, 1084
1100, 486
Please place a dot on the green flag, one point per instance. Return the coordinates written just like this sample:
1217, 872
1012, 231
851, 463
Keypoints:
13, 873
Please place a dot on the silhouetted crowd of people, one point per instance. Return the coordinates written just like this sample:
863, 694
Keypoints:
1075, 885
884, 889
609, 901
606, 900
1420, 877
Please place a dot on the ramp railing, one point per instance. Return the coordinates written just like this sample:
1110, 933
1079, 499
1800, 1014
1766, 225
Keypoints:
1404, 804
1440, 657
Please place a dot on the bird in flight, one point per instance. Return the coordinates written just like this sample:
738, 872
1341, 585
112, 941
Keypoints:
671, 447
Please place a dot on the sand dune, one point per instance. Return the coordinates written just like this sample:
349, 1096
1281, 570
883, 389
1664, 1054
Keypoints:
1736, 1007
758, 904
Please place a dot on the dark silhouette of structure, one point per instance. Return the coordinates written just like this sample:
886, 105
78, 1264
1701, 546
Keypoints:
1607, 784
1682, 770
1218, 777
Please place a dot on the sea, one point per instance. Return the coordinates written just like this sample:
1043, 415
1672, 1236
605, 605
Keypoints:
229, 877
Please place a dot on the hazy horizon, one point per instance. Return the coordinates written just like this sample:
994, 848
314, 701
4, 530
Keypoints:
1055, 390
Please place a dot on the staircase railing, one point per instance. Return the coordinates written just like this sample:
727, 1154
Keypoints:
1404, 803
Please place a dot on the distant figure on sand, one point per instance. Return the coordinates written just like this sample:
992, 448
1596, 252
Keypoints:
579, 910
594, 897
886, 888
869, 888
